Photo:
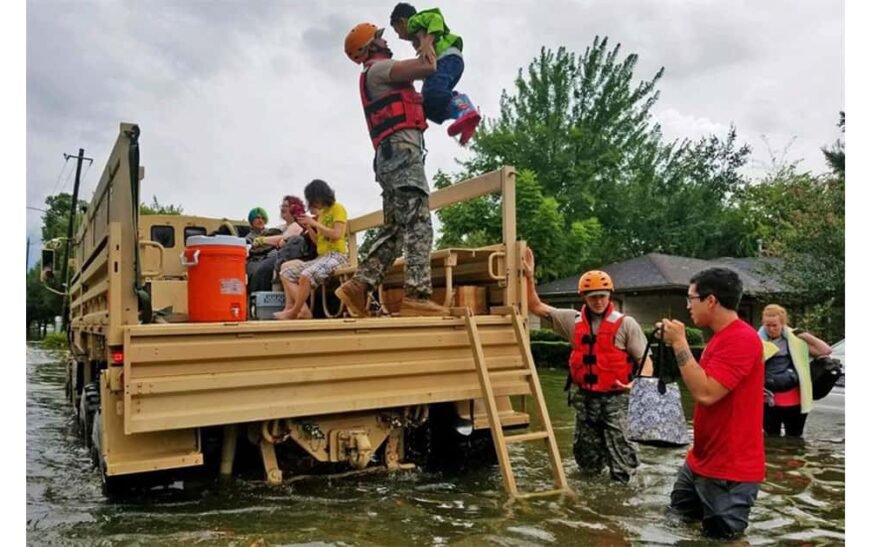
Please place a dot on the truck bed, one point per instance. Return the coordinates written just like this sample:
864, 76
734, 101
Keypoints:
193, 375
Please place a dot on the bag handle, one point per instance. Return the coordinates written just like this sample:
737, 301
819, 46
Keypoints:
637, 370
661, 385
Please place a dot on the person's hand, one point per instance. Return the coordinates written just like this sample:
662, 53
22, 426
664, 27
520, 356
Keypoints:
426, 52
281, 243
304, 221
258, 241
529, 263
622, 385
672, 331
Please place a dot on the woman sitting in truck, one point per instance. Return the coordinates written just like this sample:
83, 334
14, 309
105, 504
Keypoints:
258, 251
274, 243
327, 228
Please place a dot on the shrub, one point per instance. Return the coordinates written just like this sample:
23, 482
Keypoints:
55, 340
545, 335
694, 335
551, 354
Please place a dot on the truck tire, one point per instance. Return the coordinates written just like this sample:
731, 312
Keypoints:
89, 404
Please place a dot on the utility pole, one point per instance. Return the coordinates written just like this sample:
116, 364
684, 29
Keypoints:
73, 207
27, 256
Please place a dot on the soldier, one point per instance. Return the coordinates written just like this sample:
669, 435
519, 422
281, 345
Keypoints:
605, 346
396, 123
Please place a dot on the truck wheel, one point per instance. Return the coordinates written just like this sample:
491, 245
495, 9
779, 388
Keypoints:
68, 384
110, 486
89, 404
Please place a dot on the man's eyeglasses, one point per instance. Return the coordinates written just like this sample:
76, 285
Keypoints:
690, 298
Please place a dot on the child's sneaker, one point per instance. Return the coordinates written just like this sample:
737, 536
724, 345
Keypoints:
465, 126
466, 117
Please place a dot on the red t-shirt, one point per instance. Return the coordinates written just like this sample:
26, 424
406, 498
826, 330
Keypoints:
728, 435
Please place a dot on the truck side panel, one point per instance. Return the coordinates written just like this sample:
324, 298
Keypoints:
125, 454
183, 376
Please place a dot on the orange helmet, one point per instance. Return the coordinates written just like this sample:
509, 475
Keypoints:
595, 280
359, 39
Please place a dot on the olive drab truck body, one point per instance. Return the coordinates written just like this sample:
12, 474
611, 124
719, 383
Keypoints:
155, 392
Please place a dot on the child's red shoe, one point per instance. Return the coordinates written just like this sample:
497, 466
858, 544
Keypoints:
465, 126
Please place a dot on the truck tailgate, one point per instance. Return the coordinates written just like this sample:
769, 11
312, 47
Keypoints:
192, 375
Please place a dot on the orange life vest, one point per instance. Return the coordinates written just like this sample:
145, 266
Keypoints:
399, 109
595, 363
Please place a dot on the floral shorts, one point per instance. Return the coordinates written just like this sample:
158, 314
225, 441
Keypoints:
317, 270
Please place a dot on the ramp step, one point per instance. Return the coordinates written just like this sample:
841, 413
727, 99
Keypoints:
512, 374
526, 437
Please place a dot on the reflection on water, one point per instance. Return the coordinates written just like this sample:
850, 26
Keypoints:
802, 500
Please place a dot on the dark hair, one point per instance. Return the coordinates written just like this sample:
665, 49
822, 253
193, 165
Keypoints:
402, 11
724, 283
319, 191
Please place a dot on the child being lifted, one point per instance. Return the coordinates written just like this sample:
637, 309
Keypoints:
430, 35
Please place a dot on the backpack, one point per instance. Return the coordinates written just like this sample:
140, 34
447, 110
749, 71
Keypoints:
825, 372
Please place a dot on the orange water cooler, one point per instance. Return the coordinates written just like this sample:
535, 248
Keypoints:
216, 278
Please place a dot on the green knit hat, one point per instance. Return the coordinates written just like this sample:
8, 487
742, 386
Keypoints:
257, 212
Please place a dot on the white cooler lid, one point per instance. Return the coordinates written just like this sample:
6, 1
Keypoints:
197, 241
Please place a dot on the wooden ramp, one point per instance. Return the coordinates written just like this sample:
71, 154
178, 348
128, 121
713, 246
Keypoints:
528, 373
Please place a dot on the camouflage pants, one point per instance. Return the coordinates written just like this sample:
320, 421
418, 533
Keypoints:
408, 229
601, 435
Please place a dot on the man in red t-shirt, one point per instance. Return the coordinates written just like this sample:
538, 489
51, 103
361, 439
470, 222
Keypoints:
719, 481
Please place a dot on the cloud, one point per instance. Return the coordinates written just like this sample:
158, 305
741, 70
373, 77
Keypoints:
243, 102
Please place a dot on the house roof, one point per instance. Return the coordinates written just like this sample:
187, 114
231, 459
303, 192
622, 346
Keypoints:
656, 271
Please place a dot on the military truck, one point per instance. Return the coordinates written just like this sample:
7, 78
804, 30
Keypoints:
156, 394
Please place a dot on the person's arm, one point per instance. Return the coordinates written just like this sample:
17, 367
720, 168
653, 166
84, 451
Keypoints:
407, 70
704, 389
331, 234
534, 304
632, 338
816, 346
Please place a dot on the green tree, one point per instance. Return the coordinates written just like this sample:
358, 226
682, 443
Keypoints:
582, 125
41, 305
476, 223
680, 199
56, 218
156, 208
800, 218
835, 156
575, 121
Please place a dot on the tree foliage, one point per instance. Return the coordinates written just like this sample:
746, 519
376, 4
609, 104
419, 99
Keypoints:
56, 218
581, 127
41, 305
800, 217
540, 222
156, 208
576, 121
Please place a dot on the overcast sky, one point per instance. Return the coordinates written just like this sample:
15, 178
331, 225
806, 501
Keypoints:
242, 102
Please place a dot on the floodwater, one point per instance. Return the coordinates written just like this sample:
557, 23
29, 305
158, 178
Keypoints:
801, 502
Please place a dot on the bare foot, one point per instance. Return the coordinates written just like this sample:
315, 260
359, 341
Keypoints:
305, 314
284, 314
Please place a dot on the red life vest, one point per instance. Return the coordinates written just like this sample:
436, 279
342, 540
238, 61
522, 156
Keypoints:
400, 109
595, 362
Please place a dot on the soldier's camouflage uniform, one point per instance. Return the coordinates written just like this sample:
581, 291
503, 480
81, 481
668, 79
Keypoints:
600, 434
407, 229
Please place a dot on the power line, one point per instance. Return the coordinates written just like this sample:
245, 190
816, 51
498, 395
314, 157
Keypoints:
63, 168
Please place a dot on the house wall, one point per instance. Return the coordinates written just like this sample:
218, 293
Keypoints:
649, 308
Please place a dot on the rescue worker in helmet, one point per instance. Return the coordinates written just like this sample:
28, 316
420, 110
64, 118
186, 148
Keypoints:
395, 119
606, 344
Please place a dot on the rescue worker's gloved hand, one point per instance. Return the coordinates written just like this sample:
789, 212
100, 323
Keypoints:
258, 241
